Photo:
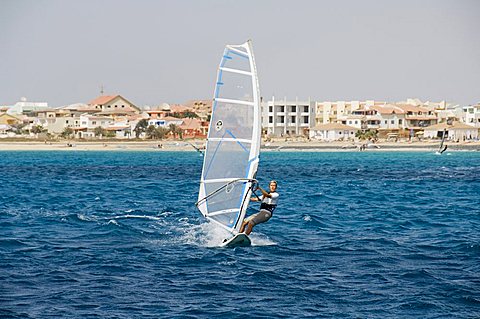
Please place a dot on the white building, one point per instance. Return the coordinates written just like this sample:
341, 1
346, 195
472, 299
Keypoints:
333, 132
472, 115
339, 111
165, 121
287, 118
25, 107
457, 131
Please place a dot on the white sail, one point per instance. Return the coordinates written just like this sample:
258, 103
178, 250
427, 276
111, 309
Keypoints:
233, 142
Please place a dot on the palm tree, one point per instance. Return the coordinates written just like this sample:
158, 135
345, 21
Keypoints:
176, 130
37, 129
150, 131
66, 133
99, 131
367, 135
140, 128
161, 132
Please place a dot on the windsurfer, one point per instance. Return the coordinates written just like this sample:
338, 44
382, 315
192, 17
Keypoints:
269, 203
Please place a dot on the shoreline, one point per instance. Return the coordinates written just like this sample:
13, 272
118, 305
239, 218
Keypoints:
173, 145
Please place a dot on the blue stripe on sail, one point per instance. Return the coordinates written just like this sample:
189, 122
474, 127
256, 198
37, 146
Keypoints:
227, 57
243, 55
219, 83
231, 134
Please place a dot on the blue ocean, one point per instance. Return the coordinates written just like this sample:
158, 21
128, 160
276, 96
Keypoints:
356, 235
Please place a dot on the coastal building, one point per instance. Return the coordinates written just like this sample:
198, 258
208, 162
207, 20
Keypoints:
113, 105
89, 122
8, 119
339, 111
472, 115
26, 107
456, 131
333, 132
165, 121
417, 118
193, 128
287, 118
121, 129
203, 108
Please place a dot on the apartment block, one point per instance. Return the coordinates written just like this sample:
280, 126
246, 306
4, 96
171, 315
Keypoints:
281, 117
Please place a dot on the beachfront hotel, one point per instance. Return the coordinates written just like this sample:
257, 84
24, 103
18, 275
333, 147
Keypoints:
287, 118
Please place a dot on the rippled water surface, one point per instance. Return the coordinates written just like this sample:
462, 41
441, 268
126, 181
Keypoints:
356, 235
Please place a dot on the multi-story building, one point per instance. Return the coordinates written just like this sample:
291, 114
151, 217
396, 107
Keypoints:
114, 105
287, 118
418, 117
26, 107
385, 119
339, 111
472, 115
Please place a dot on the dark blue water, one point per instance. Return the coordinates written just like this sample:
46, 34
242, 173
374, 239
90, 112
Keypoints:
356, 235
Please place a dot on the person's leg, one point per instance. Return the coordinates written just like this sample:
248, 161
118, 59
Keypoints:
246, 221
261, 217
249, 228
242, 228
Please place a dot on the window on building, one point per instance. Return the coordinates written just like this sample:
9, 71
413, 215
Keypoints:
356, 122
392, 121
294, 108
270, 108
294, 119
116, 105
399, 121
282, 119
109, 106
66, 122
270, 119
305, 108
282, 108
349, 122
386, 121
123, 105
94, 122
305, 119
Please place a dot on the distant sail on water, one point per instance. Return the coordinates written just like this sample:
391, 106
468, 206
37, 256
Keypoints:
233, 143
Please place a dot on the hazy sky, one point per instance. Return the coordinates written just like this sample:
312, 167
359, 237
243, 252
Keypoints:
151, 52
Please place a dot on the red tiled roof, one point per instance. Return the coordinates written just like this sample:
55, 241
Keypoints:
412, 108
387, 109
102, 99
170, 118
191, 124
179, 108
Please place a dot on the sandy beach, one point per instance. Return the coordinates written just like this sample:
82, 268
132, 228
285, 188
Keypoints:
171, 145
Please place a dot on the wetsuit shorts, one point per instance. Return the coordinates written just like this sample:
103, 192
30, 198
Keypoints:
261, 217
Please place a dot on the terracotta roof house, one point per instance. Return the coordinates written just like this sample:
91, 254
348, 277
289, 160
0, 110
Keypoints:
114, 105
192, 128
